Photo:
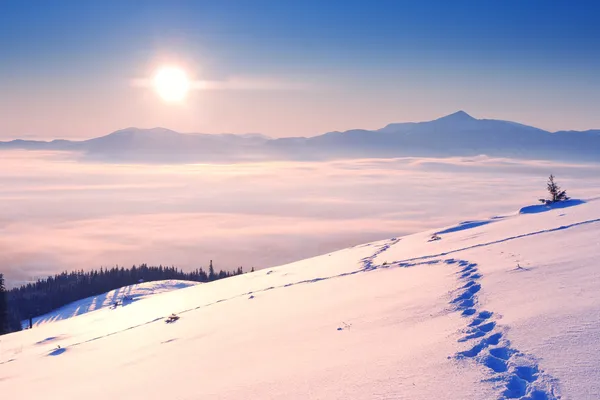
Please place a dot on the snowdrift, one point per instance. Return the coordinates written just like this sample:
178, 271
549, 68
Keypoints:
509, 309
122, 296
538, 208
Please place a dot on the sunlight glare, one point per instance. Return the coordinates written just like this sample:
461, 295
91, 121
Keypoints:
171, 84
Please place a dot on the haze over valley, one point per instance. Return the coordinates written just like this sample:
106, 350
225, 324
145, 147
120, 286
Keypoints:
62, 213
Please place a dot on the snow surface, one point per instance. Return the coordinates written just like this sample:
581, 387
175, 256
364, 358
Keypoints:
123, 296
509, 308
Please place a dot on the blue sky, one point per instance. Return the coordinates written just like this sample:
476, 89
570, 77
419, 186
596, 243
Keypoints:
66, 66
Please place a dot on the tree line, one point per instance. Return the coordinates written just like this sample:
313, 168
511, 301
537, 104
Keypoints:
44, 295
4, 320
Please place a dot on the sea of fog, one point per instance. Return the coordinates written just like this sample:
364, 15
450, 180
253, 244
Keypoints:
58, 213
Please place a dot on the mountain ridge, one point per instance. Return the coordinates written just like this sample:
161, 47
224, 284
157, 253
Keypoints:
456, 134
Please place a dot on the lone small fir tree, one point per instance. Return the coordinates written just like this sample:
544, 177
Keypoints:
556, 194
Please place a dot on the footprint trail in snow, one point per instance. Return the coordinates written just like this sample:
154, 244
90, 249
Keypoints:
518, 375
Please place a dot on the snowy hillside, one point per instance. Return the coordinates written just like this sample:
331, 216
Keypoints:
503, 308
122, 297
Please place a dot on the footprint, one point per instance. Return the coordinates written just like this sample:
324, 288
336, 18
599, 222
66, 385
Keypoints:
537, 395
487, 327
470, 267
466, 304
527, 373
467, 268
494, 339
515, 388
474, 351
468, 311
474, 335
502, 353
466, 295
481, 318
474, 288
485, 314
495, 364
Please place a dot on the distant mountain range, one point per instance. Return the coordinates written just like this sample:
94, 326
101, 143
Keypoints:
457, 134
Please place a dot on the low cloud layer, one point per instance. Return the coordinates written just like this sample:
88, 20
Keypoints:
60, 214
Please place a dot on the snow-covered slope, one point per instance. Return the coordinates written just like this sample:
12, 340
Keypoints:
503, 308
122, 297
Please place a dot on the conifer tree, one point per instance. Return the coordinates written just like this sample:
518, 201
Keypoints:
211, 272
556, 194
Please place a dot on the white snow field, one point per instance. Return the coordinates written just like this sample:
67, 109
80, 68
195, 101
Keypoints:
503, 308
123, 296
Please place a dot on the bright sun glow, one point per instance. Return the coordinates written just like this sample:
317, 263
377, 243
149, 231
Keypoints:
171, 83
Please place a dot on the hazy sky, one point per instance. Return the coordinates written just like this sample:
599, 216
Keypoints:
67, 67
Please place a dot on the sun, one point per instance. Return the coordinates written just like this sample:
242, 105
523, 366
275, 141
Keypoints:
171, 84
